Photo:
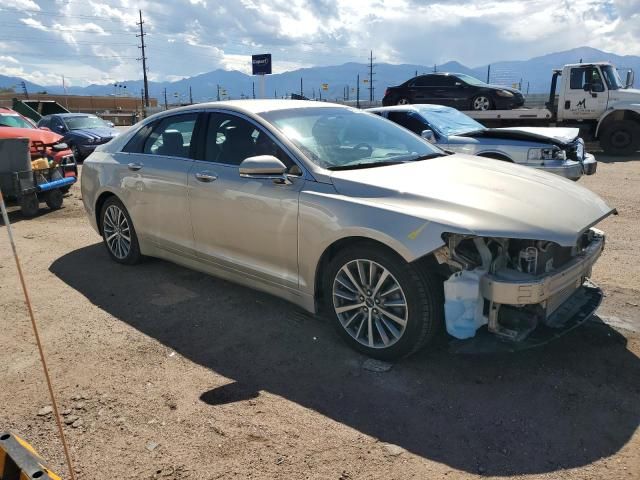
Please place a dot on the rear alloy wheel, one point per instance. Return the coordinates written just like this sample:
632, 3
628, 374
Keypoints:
118, 233
381, 305
621, 138
54, 199
481, 103
403, 101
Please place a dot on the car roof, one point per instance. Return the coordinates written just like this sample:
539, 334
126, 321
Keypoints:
259, 106
68, 115
415, 107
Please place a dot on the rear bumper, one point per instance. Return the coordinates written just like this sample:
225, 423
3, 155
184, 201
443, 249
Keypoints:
540, 289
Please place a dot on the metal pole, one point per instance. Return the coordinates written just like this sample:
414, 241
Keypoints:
262, 87
488, 72
301, 94
358, 92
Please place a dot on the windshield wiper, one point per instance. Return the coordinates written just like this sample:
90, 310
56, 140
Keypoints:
429, 156
354, 166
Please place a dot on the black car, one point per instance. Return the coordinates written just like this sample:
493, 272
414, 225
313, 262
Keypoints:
83, 132
453, 90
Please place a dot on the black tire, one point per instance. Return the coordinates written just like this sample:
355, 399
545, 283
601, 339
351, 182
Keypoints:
76, 153
29, 205
621, 138
478, 105
422, 291
403, 101
54, 199
133, 254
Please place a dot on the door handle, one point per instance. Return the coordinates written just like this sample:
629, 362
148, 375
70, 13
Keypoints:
206, 177
135, 166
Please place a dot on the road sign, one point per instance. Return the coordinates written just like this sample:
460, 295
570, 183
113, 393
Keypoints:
325, 86
365, 81
261, 64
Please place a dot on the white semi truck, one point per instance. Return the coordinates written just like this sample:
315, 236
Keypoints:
591, 97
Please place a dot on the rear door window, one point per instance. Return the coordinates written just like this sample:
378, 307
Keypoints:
409, 120
172, 136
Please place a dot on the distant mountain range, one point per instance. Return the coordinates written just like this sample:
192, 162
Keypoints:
533, 76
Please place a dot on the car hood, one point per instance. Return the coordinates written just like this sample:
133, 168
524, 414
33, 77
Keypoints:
556, 135
478, 196
94, 132
44, 136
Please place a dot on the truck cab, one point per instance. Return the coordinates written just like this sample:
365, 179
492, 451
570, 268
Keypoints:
595, 95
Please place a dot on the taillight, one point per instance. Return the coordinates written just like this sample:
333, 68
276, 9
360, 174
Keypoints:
387, 92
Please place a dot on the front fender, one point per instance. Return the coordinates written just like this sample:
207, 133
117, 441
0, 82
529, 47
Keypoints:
616, 109
326, 217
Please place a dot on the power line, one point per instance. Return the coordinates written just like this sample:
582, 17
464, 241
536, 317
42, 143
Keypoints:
31, 40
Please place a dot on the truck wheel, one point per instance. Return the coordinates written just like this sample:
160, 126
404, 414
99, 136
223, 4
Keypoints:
403, 101
30, 205
621, 138
54, 199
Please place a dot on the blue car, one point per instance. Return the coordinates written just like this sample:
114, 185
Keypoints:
556, 150
83, 132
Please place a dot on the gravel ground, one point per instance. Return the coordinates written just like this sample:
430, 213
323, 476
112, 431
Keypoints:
167, 373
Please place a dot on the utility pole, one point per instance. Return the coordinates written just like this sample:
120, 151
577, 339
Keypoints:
144, 61
190, 95
371, 89
24, 89
166, 105
358, 92
218, 86
142, 102
301, 94
435, 69
253, 89
488, 72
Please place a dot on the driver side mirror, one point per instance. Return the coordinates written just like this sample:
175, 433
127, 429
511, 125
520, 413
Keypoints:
264, 167
630, 79
427, 135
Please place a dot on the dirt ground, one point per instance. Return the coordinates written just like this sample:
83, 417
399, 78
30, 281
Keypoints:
167, 373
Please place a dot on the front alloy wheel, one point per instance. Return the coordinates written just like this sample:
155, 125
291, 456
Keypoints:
403, 101
118, 232
481, 103
370, 303
381, 305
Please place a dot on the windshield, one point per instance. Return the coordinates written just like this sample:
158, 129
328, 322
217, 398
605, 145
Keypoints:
449, 121
15, 121
334, 137
469, 79
76, 123
611, 77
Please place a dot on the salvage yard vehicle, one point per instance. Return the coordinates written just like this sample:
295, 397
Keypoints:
454, 90
593, 98
81, 131
43, 144
347, 214
556, 150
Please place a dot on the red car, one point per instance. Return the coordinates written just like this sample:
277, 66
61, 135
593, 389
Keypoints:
44, 143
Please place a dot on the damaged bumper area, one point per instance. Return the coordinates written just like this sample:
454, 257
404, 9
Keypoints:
514, 294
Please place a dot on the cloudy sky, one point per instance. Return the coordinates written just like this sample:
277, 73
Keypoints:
93, 41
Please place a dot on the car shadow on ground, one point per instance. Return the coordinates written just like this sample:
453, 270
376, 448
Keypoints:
565, 405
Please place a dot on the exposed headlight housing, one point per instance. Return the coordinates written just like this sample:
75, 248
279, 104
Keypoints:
504, 93
546, 154
91, 140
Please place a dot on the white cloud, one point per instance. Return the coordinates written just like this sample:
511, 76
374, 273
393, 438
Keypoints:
7, 59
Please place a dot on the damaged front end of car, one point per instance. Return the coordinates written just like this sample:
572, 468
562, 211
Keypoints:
510, 294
